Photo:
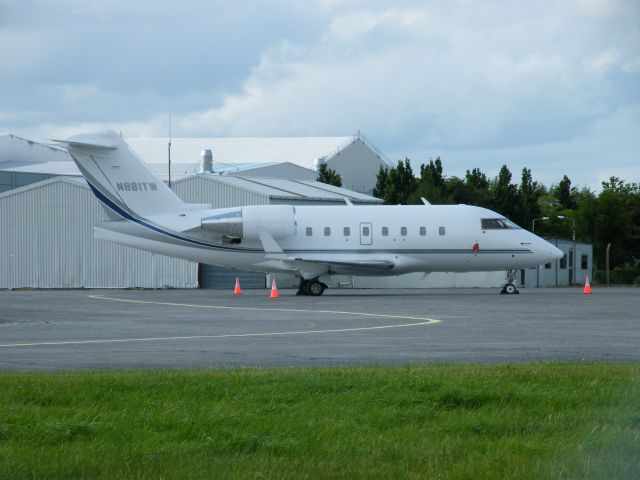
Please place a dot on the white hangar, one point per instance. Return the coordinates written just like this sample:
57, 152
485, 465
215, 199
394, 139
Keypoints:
46, 239
23, 161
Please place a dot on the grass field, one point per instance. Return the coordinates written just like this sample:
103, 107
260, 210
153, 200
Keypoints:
524, 421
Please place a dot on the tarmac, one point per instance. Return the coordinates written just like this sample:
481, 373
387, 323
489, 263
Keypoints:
46, 330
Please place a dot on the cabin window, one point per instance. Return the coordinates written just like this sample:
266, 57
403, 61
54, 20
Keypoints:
309, 231
385, 231
403, 231
584, 262
423, 231
346, 231
327, 231
547, 266
441, 231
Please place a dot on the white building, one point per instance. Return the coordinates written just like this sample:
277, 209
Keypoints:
572, 269
46, 239
23, 161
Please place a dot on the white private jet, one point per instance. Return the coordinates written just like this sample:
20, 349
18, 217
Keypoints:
312, 242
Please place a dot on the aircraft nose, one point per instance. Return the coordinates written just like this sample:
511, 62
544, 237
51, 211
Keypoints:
556, 253
550, 252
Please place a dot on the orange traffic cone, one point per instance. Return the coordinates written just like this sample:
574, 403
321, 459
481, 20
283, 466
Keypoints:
274, 289
587, 287
237, 291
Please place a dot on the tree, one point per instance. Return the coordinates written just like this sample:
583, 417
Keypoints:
395, 184
505, 194
432, 184
528, 195
401, 183
477, 190
380, 189
565, 193
614, 221
329, 176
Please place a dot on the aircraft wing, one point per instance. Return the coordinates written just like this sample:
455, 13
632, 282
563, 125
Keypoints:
359, 264
314, 266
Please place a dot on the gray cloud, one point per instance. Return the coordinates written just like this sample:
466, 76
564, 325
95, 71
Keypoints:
552, 87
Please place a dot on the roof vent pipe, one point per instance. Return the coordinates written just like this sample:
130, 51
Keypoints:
207, 161
318, 162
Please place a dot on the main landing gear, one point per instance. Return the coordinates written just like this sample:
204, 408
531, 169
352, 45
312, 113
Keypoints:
510, 288
311, 287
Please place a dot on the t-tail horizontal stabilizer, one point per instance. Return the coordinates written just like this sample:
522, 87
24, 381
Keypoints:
119, 178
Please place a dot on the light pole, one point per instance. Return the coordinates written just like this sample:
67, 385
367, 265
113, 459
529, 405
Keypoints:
533, 224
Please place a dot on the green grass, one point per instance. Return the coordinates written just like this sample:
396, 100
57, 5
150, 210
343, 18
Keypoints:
524, 421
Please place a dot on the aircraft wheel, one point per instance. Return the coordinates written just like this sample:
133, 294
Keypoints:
304, 287
315, 288
510, 289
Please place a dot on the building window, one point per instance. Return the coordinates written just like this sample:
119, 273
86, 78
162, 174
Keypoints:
441, 231
563, 262
385, 231
584, 262
423, 231
309, 231
346, 231
403, 231
547, 266
327, 231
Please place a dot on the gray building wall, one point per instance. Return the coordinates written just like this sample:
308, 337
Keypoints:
358, 165
278, 170
46, 241
562, 272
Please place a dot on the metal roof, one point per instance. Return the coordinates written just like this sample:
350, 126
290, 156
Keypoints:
48, 168
180, 170
230, 155
286, 189
160, 169
302, 151
80, 182
294, 190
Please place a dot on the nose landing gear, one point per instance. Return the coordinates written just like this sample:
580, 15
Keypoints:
311, 287
509, 288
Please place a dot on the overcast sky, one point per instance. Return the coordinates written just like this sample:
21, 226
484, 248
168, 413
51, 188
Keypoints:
551, 85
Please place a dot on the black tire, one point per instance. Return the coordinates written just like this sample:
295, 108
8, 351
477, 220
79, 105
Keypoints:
510, 289
304, 288
315, 288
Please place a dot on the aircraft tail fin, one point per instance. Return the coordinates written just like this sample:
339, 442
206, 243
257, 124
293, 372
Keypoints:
119, 177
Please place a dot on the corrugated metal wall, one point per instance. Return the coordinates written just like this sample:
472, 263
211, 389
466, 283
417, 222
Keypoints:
46, 241
225, 278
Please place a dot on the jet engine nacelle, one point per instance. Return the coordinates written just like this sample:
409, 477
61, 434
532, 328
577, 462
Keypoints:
278, 220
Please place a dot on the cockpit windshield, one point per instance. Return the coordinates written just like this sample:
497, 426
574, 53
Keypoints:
498, 224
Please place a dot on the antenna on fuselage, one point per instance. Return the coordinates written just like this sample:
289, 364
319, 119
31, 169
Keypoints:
424, 200
169, 151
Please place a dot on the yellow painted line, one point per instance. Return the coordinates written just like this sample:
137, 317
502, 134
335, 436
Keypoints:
261, 309
422, 322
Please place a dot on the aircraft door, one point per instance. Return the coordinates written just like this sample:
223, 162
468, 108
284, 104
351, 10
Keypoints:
366, 234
